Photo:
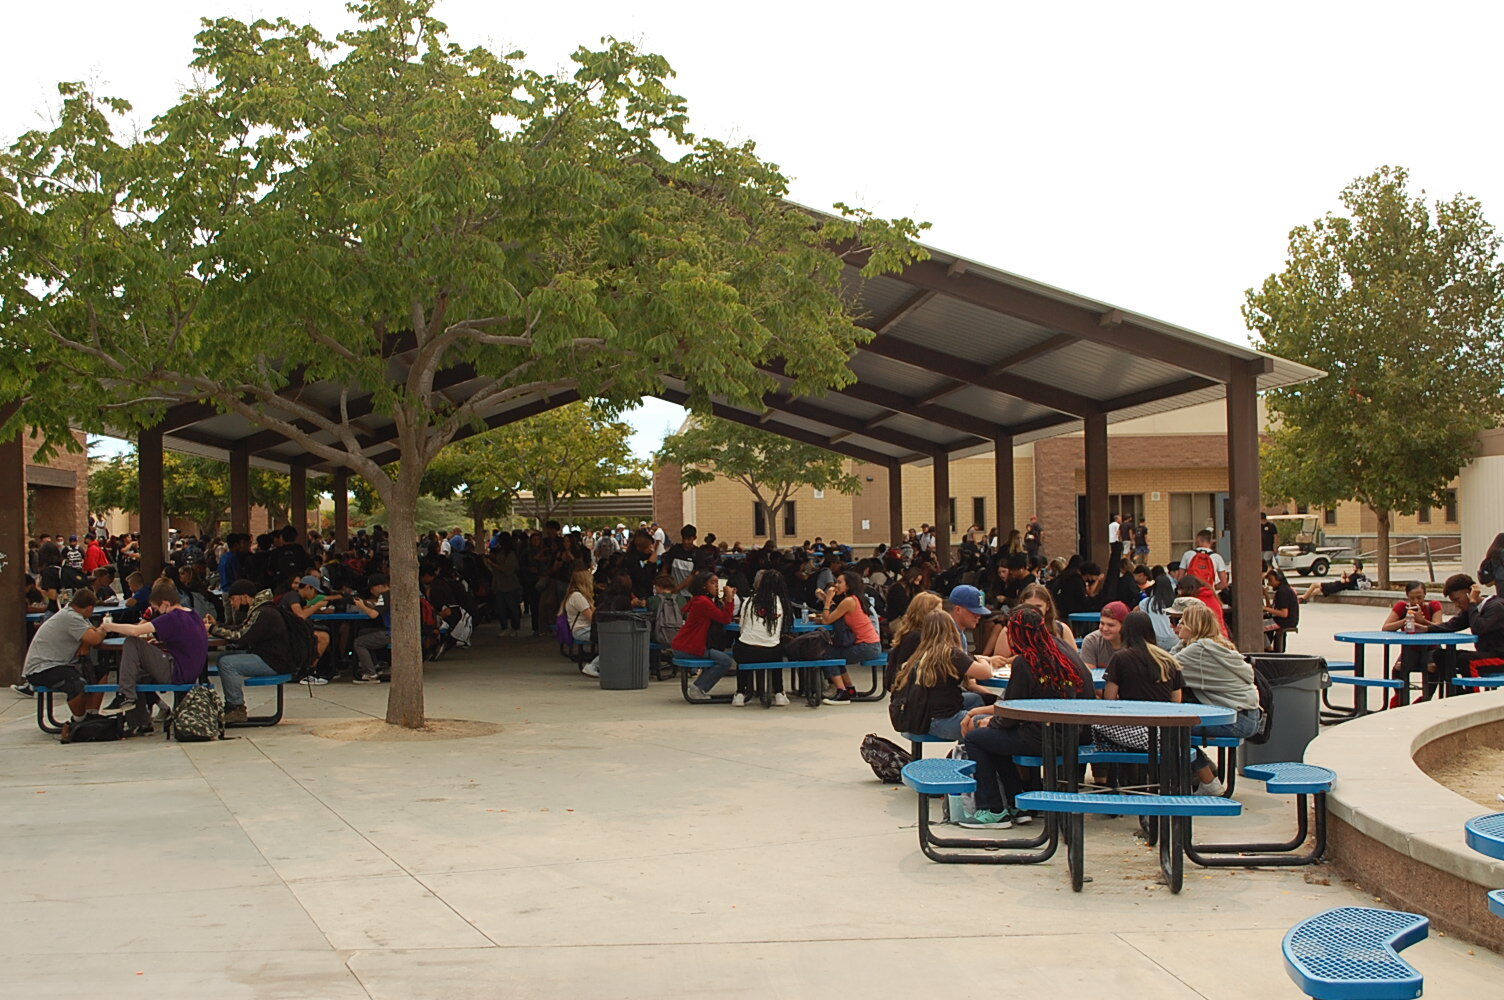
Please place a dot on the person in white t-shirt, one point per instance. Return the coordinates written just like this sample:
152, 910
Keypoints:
660, 541
1204, 546
1114, 530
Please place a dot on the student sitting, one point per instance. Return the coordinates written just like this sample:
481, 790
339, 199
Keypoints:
1484, 617
177, 654
708, 605
57, 656
1099, 648
856, 640
379, 611
1215, 674
764, 619
1140, 671
936, 675
579, 614
1282, 609
906, 634
264, 648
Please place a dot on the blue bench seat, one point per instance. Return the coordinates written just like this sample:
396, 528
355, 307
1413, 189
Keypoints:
1340, 666
48, 724
1226, 742
1280, 778
1128, 805
1352, 953
1496, 902
1370, 682
918, 740
1485, 834
1087, 755
1495, 681
941, 776
811, 668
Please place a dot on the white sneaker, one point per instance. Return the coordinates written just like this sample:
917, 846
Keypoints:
782, 699
1213, 787
591, 669
738, 700
695, 694
315, 681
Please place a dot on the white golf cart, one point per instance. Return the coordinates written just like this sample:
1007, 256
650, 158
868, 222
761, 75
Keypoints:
1304, 555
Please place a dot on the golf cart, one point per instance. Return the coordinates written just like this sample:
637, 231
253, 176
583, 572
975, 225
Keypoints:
1304, 554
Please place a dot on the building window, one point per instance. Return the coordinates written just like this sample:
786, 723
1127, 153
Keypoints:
1130, 505
1190, 513
1423, 516
952, 524
759, 520
979, 511
1329, 515
790, 526
819, 494
1302, 508
1451, 496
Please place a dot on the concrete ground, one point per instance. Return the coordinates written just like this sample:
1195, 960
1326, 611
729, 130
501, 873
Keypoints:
603, 844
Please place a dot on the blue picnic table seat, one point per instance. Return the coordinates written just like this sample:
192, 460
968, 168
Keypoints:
1352, 953
938, 777
1485, 834
918, 740
1280, 778
1479, 683
941, 776
1496, 902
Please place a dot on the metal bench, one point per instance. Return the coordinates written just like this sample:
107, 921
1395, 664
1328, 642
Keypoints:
1076, 805
1352, 953
48, 722
937, 777
1485, 834
1291, 778
1223, 745
879, 666
1361, 686
1479, 683
1496, 902
918, 740
812, 671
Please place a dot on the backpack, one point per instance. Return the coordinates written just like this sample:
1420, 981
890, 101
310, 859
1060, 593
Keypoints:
73, 577
909, 709
563, 632
199, 717
463, 629
809, 646
301, 643
95, 729
1203, 567
667, 621
885, 757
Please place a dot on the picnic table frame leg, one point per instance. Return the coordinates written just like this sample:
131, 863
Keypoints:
1340, 713
45, 722
266, 720
1268, 855
928, 843
875, 692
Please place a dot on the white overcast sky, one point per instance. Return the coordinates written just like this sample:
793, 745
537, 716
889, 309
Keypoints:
1153, 155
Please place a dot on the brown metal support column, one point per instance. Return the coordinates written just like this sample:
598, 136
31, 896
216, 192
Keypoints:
153, 517
1243, 493
942, 523
1094, 544
341, 491
13, 544
299, 494
240, 491
895, 503
1002, 460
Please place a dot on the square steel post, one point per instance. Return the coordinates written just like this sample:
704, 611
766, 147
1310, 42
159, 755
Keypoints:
1003, 512
942, 523
895, 503
153, 516
341, 510
298, 474
1094, 545
240, 491
1243, 493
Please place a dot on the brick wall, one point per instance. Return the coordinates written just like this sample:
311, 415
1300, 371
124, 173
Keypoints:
668, 498
58, 509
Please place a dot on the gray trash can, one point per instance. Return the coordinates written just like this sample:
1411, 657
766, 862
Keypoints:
1296, 681
623, 639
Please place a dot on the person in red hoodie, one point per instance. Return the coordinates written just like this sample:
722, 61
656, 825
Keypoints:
708, 602
94, 556
1194, 586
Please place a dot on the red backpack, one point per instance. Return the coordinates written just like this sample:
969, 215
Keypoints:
1203, 567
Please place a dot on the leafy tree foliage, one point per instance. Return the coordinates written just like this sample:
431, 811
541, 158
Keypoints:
1402, 304
772, 468
192, 487
438, 230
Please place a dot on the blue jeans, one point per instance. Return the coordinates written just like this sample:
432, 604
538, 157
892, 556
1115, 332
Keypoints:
721, 664
859, 653
234, 668
1244, 726
949, 727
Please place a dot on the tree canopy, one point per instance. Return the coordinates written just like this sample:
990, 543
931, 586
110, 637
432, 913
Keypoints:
772, 468
1401, 302
192, 487
401, 216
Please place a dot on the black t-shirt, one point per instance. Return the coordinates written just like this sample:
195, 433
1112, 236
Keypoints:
1269, 536
1141, 536
1137, 676
288, 562
1285, 599
1013, 588
944, 700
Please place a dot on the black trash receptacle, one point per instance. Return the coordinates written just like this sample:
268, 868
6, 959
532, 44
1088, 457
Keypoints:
623, 638
1296, 681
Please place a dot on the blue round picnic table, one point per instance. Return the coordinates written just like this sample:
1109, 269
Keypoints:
1360, 640
999, 678
1084, 617
339, 616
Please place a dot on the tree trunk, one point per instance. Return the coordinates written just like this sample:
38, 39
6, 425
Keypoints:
1383, 516
404, 703
480, 524
772, 513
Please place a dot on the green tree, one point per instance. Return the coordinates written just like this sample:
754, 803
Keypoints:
192, 487
393, 213
772, 468
1402, 304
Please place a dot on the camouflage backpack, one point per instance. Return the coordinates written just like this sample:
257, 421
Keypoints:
199, 717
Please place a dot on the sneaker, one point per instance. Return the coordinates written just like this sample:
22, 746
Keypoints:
235, 714
118, 705
985, 820
313, 680
1213, 787
365, 679
696, 694
591, 669
24, 690
780, 699
1022, 817
839, 698
738, 700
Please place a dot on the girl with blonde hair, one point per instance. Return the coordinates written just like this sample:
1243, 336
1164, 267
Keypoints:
928, 690
579, 614
1215, 674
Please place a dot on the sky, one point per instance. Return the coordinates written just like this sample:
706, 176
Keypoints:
1151, 155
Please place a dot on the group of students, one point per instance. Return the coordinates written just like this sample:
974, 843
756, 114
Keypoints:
936, 689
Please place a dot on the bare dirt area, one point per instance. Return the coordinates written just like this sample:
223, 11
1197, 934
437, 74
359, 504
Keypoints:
1475, 772
377, 731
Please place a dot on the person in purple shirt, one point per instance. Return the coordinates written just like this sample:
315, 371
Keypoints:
171, 648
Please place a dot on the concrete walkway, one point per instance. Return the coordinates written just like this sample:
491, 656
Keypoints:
603, 845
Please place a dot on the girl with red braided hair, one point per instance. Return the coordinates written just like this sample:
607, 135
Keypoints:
1043, 667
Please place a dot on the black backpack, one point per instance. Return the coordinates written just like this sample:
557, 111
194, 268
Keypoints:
95, 729
885, 757
301, 645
